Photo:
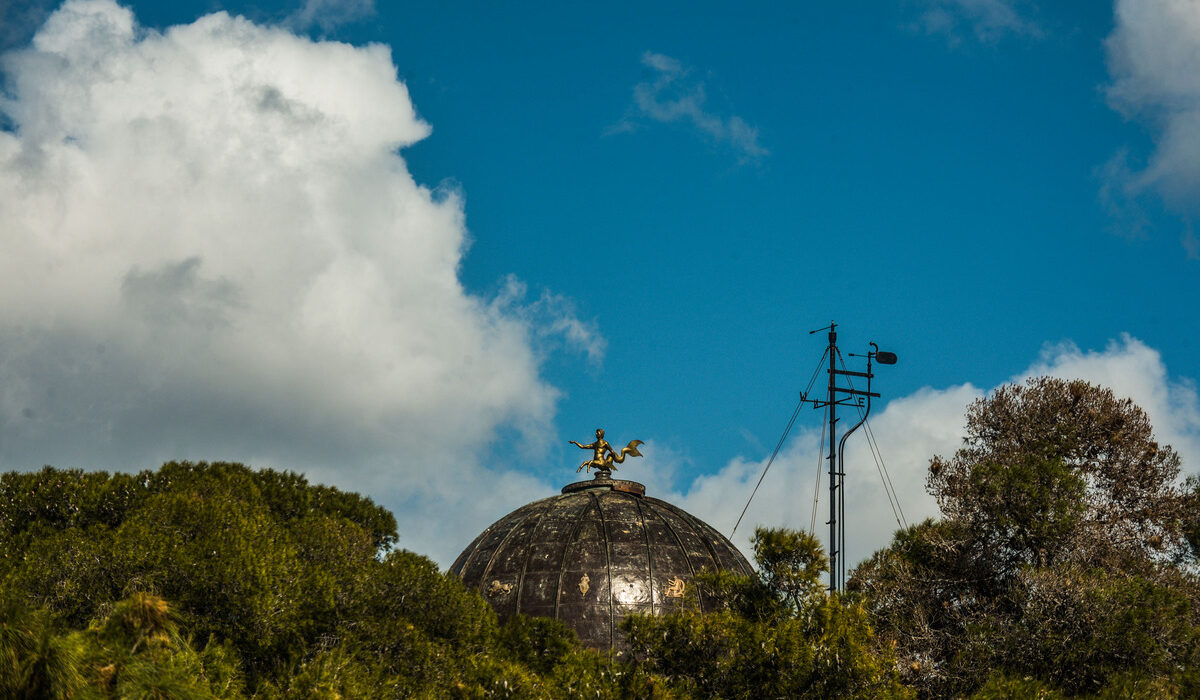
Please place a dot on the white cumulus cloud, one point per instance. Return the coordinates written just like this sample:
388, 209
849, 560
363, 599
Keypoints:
213, 250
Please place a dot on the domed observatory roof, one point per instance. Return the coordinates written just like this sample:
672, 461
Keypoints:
593, 555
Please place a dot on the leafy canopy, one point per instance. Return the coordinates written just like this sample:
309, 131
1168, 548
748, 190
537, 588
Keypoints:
1064, 560
778, 635
217, 580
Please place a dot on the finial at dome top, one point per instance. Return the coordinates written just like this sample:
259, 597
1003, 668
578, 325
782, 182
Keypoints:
604, 457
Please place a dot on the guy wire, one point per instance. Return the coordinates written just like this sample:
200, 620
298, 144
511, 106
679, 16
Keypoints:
812, 521
888, 488
782, 438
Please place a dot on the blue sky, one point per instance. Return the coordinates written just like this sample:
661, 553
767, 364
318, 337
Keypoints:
550, 219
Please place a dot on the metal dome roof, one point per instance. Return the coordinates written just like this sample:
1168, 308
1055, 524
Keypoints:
593, 555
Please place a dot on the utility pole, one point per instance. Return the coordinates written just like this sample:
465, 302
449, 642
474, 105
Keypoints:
837, 470
834, 482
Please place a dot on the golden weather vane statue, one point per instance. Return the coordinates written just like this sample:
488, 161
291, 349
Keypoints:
603, 454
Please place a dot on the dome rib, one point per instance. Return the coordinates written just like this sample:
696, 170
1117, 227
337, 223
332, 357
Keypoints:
699, 533
572, 544
671, 529
581, 558
649, 550
612, 606
487, 570
537, 525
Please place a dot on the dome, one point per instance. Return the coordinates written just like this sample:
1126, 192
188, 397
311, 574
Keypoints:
593, 555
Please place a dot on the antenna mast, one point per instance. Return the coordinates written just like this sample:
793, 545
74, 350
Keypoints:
837, 472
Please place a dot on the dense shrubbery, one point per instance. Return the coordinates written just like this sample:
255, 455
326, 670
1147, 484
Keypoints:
1065, 565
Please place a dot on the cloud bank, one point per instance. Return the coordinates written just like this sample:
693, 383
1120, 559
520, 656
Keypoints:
909, 430
213, 250
673, 95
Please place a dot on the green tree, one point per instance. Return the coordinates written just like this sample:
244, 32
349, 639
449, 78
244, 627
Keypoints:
540, 643
1054, 468
259, 558
136, 651
1062, 558
779, 634
295, 588
36, 661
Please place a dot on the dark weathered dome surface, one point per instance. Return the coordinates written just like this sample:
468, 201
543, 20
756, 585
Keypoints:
592, 556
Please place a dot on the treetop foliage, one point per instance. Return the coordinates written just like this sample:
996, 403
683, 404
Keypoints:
219, 581
1069, 458
778, 636
60, 499
1065, 555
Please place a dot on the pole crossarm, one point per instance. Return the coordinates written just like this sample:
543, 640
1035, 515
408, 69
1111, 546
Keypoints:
847, 401
855, 392
835, 396
842, 396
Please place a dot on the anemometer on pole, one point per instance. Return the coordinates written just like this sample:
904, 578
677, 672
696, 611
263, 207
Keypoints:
838, 395
842, 396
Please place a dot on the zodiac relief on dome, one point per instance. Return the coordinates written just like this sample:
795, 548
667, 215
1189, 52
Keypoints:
604, 457
498, 588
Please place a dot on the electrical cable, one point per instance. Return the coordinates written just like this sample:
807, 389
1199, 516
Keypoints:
812, 521
888, 486
782, 438
770, 461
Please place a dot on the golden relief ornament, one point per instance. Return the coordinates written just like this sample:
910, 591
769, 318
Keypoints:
676, 589
498, 588
583, 584
603, 454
